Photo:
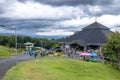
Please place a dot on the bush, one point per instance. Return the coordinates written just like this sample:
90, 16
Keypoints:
6, 52
58, 53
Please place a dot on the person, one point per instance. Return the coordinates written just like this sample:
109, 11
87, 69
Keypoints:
41, 53
35, 54
30, 53
69, 53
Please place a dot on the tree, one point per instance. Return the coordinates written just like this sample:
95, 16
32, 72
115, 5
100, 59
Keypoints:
112, 48
9, 41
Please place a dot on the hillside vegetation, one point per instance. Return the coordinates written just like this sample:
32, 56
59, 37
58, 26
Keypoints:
57, 68
5, 52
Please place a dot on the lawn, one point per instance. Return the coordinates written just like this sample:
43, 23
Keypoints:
5, 52
57, 68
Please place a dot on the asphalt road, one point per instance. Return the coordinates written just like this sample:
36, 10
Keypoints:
7, 63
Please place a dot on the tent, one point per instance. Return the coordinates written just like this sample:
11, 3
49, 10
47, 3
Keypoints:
39, 48
85, 54
93, 54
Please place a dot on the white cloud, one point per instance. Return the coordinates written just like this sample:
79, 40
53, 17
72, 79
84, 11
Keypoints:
31, 10
2, 1
110, 20
94, 9
77, 22
54, 33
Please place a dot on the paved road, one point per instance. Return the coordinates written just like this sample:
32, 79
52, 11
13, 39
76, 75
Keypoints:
7, 63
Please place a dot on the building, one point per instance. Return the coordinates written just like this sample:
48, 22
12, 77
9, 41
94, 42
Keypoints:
29, 46
93, 36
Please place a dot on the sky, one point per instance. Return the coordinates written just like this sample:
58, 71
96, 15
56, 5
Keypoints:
57, 17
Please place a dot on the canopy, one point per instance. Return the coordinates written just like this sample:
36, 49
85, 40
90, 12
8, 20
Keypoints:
28, 43
85, 54
39, 48
93, 54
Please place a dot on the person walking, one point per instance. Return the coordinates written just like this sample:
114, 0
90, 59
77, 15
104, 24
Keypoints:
69, 52
35, 54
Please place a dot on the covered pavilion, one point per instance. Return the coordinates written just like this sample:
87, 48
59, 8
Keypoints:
92, 36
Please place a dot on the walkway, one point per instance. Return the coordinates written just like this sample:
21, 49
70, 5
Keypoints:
7, 63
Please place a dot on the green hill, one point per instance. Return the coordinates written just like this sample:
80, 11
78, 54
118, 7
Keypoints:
62, 69
5, 52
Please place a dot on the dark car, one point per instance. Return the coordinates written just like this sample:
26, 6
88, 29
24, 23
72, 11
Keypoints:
58, 50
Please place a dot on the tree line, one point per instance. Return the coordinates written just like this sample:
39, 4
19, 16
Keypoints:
9, 41
112, 48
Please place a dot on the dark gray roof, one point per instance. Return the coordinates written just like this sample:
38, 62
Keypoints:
94, 34
96, 25
80, 42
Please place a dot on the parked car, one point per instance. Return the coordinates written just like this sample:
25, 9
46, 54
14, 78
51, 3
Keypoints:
58, 50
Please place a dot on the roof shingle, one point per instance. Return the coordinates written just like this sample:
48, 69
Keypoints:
93, 34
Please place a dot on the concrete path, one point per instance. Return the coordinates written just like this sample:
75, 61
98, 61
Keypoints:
7, 63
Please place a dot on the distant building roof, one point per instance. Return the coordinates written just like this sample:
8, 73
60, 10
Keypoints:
28, 43
93, 34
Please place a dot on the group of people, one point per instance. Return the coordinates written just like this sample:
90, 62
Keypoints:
71, 52
36, 53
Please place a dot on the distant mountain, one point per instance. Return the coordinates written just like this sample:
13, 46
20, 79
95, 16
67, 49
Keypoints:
37, 36
7, 34
50, 37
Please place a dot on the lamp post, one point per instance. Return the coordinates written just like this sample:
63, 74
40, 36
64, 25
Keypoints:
16, 44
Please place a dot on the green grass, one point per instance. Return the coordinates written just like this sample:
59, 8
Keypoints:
61, 69
5, 52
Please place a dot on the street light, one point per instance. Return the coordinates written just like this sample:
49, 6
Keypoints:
16, 44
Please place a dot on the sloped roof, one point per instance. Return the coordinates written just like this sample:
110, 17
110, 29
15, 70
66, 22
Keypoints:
97, 26
80, 42
93, 34
28, 43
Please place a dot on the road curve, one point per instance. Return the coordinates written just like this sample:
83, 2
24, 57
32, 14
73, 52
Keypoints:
7, 63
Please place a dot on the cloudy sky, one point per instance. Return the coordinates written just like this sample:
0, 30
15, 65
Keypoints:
57, 17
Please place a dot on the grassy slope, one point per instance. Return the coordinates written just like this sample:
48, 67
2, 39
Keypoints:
62, 69
5, 52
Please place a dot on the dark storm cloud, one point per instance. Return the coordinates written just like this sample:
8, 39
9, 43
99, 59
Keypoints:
44, 24
111, 9
1, 10
26, 24
105, 5
67, 28
4, 6
91, 13
34, 24
71, 2
116, 26
103, 2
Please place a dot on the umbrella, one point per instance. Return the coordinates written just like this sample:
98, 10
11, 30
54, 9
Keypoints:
93, 54
39, 48
85, 54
